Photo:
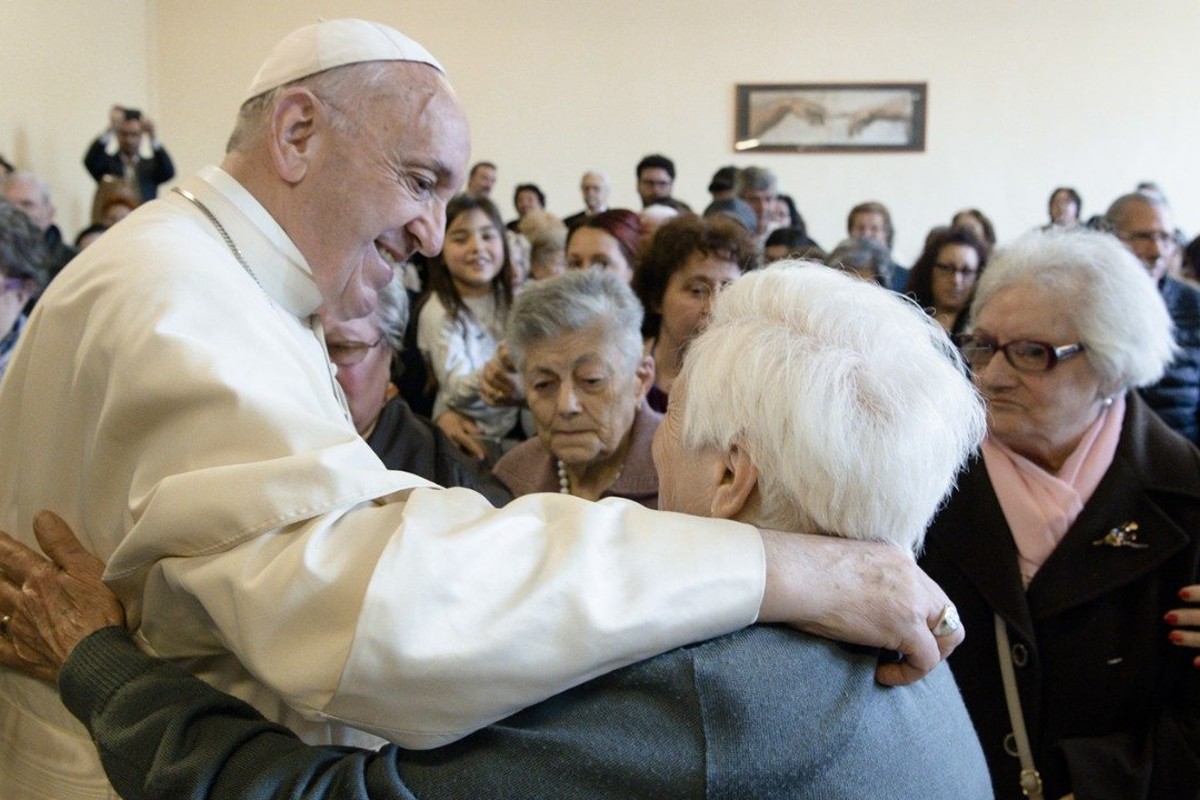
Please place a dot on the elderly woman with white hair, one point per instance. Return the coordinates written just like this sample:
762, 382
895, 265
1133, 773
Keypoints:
1066, 543
576, 341
814, 402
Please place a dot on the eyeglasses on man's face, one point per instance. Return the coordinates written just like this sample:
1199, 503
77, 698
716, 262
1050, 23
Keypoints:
1023, 355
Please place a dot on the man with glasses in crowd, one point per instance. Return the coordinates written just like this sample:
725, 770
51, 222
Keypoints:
1144, 224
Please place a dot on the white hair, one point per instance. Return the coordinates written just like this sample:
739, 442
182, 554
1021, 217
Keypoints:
1103, 291
391, 311
852, 403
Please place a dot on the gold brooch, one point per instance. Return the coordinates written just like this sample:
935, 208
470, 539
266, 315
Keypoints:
1123, 536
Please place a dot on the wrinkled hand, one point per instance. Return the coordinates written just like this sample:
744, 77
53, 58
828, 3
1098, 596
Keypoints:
463, 431
499, 383
1186, 621
861, 592
54, 603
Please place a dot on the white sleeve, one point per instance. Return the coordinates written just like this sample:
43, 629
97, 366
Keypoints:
424, 619
444, 344
241, 514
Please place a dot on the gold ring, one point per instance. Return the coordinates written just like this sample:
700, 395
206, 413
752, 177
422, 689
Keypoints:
4, 624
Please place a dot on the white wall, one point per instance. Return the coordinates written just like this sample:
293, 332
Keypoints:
1023, 95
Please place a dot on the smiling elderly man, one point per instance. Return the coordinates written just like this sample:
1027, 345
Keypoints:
802, 372
173, 400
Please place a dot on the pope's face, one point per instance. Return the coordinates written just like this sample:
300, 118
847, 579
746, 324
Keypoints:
381, 188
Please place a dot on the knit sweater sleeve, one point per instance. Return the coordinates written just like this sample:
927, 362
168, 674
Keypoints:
162, 733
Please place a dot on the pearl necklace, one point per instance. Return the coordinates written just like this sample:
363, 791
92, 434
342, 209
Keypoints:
564, 482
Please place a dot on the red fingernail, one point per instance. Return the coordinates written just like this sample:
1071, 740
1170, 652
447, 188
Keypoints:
1176, 637
1185, 594
1171, 618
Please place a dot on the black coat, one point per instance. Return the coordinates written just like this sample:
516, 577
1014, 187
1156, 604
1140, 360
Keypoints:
1112, 708
1176, 397
411, 443
150, 171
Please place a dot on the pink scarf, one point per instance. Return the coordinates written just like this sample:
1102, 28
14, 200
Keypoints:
1040, 507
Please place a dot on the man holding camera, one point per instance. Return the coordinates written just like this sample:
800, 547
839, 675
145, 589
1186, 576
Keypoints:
127, 127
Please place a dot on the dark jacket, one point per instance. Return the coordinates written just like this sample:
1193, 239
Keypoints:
150, 171
407, 442
1176, 397
1112, 709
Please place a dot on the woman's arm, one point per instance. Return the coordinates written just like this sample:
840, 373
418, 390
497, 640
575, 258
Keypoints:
447, 346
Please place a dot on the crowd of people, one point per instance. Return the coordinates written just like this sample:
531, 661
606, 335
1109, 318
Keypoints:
1021, 414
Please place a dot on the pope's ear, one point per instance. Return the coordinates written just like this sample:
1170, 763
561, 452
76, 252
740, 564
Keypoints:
298, 122
736, 484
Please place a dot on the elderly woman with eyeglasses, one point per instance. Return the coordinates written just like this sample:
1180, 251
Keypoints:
1066, 543
362, 351
576, 341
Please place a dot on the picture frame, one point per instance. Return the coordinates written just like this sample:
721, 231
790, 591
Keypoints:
830, 117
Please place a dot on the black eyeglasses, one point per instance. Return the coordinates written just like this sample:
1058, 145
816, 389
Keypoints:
952, 270
1022, 355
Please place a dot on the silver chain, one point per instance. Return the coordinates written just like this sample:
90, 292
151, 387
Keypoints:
233, 248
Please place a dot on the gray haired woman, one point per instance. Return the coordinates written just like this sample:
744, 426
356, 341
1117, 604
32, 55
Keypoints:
1065, 544
576, 342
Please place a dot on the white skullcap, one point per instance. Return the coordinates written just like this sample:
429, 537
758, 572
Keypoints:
334, 43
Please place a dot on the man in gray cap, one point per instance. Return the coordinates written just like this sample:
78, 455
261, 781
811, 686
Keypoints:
173, 401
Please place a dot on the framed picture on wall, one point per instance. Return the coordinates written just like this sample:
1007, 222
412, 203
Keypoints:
830, 117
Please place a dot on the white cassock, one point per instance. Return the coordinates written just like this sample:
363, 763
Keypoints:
183, 418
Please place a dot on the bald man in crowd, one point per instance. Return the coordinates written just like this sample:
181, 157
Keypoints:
595, 188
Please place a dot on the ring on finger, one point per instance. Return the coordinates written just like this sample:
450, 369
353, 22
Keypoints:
948, 622
4, 620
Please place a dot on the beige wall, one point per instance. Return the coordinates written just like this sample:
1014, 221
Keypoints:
65, 62
1023, 95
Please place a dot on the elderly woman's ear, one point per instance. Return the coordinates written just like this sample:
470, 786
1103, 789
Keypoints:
645, 375
736, 484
